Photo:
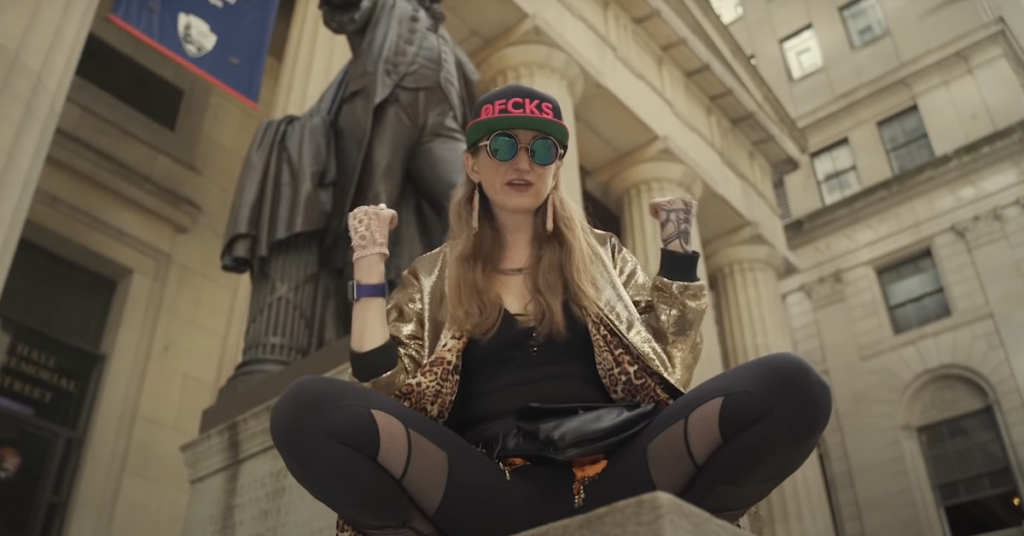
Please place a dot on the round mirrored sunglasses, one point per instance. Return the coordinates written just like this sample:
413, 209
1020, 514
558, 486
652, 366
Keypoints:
505, 146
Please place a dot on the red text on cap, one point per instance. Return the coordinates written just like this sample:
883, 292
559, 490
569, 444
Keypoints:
518, 106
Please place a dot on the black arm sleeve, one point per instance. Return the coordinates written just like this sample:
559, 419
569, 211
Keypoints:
374, 363
681, 267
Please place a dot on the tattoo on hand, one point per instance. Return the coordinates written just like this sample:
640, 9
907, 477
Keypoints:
676, 226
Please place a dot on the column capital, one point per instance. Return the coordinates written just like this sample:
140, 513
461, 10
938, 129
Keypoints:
671, 172
747, 253
987, 226
522, 62
825, 291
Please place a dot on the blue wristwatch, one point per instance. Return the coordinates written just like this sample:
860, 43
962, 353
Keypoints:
358, 291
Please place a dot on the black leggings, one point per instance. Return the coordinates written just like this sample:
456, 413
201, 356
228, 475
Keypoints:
387, 469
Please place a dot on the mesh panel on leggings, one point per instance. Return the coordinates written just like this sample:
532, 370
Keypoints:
419, 465
394, 443
702, 433
669, 470
675, 455
427, 474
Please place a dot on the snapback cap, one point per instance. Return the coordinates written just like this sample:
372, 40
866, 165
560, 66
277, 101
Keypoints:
517, 107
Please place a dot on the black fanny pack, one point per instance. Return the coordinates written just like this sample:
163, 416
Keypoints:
562, 433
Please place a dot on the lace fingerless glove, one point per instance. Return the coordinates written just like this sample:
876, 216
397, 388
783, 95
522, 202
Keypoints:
369, 235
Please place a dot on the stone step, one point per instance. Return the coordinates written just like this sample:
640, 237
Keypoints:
652, 514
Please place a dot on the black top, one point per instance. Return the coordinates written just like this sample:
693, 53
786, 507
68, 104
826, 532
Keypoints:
513, 368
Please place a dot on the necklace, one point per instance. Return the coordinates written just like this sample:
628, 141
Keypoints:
513, 271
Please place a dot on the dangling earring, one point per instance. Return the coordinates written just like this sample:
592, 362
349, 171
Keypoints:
551, 213
476, 208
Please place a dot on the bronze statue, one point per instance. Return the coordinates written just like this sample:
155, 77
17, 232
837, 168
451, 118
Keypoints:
389, 129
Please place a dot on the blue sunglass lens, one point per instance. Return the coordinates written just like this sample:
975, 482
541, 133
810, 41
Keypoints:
544, 151
503, 147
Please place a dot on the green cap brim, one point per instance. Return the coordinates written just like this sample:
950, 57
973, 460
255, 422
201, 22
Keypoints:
480, 129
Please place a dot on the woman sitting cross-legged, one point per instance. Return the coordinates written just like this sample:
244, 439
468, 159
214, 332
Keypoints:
529, 370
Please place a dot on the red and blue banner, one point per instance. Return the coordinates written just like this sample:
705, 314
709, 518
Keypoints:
223, 41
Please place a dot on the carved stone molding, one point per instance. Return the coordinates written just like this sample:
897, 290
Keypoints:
521, 62
747, 253
826, 291
943, 398
172, 207
670, 172
1013, 210
983, 228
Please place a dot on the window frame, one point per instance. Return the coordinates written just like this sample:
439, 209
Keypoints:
998, 438
822, 181
916, 257
786, 56
845, 8
904, 144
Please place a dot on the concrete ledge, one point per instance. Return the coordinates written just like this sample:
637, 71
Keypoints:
653, 514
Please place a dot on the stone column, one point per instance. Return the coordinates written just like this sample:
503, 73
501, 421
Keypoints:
837, 352
637, 186
992, 246
553, 72
40, 43
754, 323
313, 56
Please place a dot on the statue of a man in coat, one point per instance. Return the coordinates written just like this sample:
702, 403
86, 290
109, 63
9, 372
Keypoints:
390, 129
405, 102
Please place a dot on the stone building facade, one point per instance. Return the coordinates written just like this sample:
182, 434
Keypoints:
906, 219
114, 207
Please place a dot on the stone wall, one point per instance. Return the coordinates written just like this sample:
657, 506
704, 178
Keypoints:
147, 207
970, 215
240, 486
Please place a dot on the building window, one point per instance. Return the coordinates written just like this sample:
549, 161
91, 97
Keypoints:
914, 293
836, 172
802, 53
727, 10
972, 478
864, 22
131, 82
906, 141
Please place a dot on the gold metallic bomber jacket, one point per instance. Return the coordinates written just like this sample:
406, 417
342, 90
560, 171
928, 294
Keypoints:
646, 333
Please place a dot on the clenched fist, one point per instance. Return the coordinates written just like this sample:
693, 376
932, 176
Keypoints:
369, 226
676, 216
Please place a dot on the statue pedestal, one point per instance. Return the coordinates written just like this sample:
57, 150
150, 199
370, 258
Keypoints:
240, 486
239, 397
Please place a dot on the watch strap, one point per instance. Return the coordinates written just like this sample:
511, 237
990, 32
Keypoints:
358, 291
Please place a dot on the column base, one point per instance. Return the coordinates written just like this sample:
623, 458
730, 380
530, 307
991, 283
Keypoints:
254, 367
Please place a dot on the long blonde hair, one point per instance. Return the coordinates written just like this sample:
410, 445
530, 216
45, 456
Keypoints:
560, 269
